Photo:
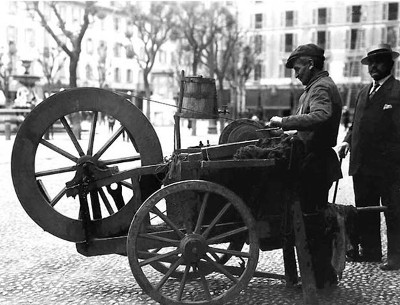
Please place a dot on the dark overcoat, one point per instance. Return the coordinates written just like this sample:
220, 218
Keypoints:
317, 122
374, 136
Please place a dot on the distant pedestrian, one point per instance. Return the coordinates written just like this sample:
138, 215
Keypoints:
111, 122
345, 117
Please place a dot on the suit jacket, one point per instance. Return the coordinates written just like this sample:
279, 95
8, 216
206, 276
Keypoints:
317, 122
374, 136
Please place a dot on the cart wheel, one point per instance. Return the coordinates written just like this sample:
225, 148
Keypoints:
66, 135
211, 219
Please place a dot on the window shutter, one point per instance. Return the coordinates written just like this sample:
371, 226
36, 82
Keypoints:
384, 11
294, 41
362, 43
295, 18
384, 35
282, 42
364, 13
283, 24
328, 39
348, 13
314, 37
329, 15
314, 17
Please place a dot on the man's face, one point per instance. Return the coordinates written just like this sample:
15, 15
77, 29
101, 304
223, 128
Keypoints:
302, 69
379, 67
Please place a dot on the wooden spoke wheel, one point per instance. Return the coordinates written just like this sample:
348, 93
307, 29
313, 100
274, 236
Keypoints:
189, 243
67, 139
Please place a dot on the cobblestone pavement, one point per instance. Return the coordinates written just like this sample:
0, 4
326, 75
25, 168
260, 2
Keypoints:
38, 268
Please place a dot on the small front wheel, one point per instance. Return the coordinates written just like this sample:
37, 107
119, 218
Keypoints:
190, 244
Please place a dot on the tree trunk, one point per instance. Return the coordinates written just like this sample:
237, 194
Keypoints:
148, 93
72, 71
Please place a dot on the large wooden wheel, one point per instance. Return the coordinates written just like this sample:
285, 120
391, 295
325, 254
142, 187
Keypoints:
210, 218
64, 141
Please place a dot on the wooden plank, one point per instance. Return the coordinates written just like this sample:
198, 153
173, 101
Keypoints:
306, 270
238, 163
224, 150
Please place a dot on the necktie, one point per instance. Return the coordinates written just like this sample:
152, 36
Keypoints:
374, 89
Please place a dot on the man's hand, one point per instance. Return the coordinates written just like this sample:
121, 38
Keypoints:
344, 148
275, 121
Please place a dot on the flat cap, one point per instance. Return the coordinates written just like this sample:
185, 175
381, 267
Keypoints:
310, 49
382, 49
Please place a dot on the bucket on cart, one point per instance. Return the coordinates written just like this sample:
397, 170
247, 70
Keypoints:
199, 98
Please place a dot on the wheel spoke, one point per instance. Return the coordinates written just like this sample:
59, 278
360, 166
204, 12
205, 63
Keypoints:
156, 211
72, 136
94, 199
216, 219
92, 133
159, 257
172, 242
205, 284
55, 171
108, 143
121, 160
168, 274
57, 198
106, 202
201, 213
183, 282
127, 184
221, 269
59, 150
218, 238
227, 251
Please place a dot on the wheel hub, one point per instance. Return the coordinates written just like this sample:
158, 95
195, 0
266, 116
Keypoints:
193, 247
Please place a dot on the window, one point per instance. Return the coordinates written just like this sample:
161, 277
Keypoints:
289, 42
355, 39
117, 50
129, 76
258, 21
289, 18
393, 11
284, 72
89, 72
352, 67
397, 69
391, 36
89, 46
117, 75
322, 16
258, 71
258, 44
116, 23
354, 13
322, 38
30, 37
12, 33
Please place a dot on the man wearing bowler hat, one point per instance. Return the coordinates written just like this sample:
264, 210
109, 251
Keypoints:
374, 144
317, 123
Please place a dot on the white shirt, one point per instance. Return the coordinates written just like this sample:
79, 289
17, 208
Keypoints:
380, 82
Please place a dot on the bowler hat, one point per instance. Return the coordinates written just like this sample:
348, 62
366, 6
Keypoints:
310, 49
380, 49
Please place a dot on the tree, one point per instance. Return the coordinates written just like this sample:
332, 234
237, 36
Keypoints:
239, 72
198, 28
6, 70
69, 39
154, 28
52, 61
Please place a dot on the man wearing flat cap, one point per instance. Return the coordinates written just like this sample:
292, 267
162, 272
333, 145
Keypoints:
374, 144
317, 123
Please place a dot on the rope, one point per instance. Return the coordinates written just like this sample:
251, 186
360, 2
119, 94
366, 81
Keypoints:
169, 105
